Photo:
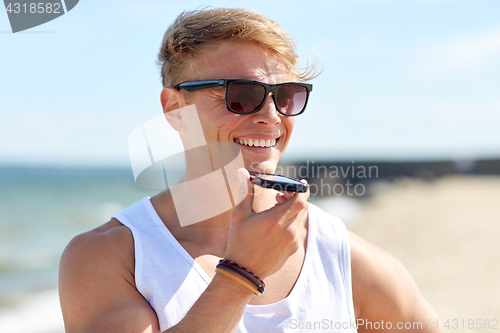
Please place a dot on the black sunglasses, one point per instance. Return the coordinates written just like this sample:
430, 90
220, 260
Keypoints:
248, 96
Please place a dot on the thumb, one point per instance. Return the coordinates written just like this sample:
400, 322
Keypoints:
245, 191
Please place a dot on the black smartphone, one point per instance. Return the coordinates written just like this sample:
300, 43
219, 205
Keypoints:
277, 182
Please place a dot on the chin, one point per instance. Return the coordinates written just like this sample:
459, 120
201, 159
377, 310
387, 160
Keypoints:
262, 166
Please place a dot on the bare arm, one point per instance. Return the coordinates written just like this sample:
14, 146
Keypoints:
383, 290
97, 287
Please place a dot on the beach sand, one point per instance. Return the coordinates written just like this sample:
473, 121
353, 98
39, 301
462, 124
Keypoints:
446, 232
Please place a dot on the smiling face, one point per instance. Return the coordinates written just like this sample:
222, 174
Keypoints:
262, 136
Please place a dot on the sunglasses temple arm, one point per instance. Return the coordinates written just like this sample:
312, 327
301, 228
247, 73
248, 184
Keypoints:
200, 85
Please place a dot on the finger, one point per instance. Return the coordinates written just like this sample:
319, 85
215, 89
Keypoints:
289, 194
245, 191
280, 198
288, 208
304, 195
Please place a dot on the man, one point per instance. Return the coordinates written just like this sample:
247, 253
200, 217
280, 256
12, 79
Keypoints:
144, 271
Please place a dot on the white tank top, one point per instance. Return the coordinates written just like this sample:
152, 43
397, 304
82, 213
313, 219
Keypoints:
171, 280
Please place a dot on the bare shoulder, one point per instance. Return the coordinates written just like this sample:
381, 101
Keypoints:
112, 243
376, 274
383, 289
97, 283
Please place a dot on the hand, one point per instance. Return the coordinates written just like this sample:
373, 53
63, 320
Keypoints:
262, 242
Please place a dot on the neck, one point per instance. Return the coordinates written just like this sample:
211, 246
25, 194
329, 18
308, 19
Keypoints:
202, 189
212, 232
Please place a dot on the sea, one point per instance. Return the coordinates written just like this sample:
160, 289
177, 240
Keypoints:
41, 210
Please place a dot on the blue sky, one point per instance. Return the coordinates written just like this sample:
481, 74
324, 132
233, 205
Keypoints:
414, 79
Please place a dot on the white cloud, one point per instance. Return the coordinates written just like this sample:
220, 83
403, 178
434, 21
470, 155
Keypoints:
471, 51
467, 55
441, 113
430, 128
35, 134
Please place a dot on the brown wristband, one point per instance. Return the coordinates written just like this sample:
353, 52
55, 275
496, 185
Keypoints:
238, 279
242, 272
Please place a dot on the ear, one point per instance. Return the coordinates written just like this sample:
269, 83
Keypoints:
171, 101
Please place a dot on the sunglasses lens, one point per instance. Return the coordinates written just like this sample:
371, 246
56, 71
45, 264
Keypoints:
291, 98
245, 97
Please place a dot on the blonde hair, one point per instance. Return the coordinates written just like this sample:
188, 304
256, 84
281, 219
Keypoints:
193, 31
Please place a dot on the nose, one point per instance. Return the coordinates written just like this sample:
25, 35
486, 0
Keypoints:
268, 114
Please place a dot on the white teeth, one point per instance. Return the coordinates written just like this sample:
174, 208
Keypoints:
256, 143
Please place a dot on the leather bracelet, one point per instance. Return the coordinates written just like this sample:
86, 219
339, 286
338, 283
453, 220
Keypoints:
232, 263
238, 279
245, 273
